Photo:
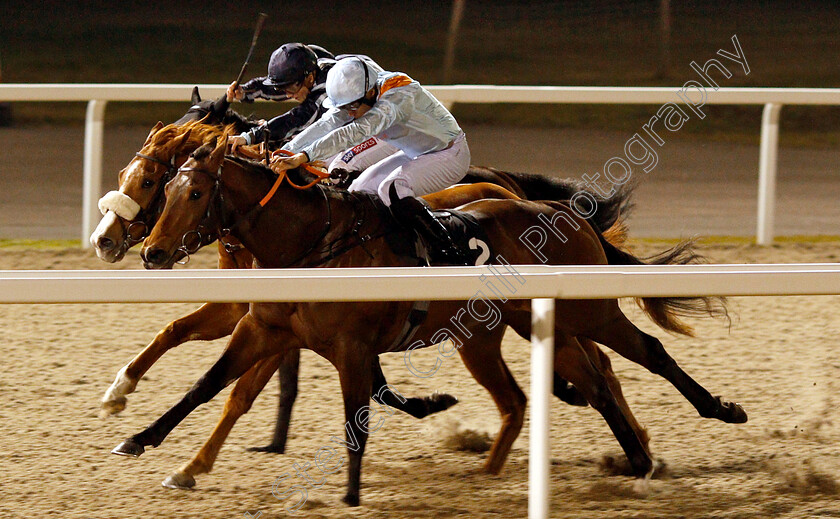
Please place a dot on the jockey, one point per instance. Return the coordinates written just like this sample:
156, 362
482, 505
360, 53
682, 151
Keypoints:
432, 152
299, 72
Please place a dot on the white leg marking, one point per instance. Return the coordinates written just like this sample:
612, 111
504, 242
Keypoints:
114, 399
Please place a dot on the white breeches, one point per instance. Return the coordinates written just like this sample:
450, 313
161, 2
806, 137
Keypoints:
420, 176
362, 156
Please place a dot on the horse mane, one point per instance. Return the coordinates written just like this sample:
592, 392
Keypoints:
241, 122
200, 133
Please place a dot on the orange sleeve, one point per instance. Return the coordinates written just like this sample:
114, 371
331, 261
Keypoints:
394, 82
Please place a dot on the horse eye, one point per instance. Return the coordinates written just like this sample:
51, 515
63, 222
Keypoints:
148, 183
195, 195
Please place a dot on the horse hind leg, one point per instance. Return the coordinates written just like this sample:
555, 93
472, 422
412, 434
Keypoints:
604, 366
418, 407
626, 339
561, 388
595, 381
211, 321
483, 358
238, 403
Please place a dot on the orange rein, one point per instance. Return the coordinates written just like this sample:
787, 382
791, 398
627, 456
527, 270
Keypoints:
320, 175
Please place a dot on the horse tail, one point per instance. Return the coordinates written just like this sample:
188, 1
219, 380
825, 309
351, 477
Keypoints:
606, 211
616, 234
666, 311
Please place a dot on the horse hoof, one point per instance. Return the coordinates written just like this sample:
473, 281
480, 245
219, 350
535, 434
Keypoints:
574, 397
567, 392
351, 499
179, 481
272, 448
129, 448
441, 402
112, 407
730, 412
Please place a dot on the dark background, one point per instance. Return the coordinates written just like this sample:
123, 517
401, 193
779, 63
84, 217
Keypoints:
787, 44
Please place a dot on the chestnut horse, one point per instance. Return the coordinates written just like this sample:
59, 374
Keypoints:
322, 227
141, 185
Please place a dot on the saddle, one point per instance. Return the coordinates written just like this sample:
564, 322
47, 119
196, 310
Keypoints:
464, 229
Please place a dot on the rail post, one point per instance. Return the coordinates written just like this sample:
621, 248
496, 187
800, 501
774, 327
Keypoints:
542, 370
767, 173
92, 183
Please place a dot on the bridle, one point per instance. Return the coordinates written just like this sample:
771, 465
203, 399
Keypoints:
216, 208
142, 219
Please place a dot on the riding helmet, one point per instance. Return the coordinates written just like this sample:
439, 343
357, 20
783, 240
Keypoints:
349, 80
290, 64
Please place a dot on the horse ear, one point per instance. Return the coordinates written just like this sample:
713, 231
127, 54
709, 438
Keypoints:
220, 106
179, 141
195, 97
221, 148
155, 129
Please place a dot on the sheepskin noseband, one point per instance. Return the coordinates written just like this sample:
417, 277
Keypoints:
120, 203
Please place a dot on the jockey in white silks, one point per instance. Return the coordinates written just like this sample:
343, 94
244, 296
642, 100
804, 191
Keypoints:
431, 149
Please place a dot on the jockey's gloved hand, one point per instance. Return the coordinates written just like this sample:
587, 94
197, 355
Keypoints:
339, 177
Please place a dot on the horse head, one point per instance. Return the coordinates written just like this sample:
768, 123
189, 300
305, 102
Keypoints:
188, 209
131, 211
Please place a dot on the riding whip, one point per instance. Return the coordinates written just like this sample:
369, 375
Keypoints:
260, 20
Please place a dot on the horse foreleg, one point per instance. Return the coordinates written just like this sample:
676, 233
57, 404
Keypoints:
238, 403
355, 376
249, 343
209, 322
287, 375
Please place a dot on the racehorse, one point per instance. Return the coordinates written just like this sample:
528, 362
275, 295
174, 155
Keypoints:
140, 193
321, 227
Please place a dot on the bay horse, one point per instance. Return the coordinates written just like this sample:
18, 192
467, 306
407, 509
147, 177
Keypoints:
302, 228
141, 185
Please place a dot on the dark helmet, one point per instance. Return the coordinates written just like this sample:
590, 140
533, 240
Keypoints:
290, 64
319, 51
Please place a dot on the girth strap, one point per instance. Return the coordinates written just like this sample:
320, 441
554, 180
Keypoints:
415, 318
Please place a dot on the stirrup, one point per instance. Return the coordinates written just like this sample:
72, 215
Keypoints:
454, 255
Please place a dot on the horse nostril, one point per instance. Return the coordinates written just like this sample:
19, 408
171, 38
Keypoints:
155, 256
104, 243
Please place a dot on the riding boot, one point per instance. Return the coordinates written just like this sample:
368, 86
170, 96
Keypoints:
415, 214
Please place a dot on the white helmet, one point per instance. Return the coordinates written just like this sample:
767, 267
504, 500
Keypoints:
348, 81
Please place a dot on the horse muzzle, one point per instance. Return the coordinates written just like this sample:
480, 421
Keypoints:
156, 258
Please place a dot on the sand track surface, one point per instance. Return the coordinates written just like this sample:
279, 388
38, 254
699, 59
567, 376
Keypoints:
778, 358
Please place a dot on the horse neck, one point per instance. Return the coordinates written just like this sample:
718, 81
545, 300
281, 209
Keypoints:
280, 231
242, 124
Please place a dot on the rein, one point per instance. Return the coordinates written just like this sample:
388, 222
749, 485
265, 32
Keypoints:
319, 176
